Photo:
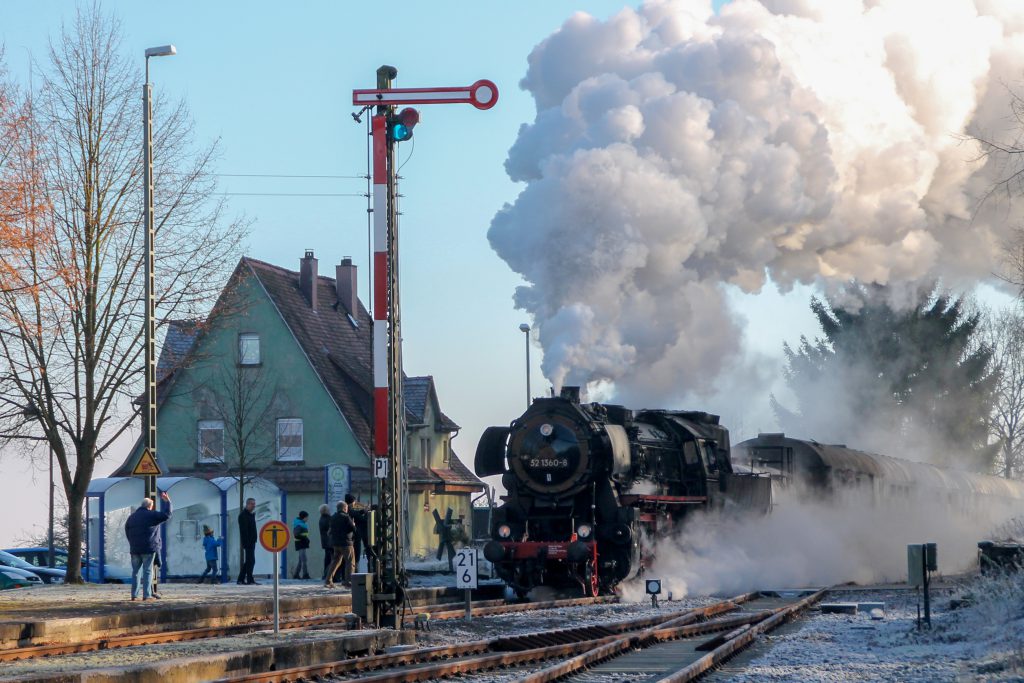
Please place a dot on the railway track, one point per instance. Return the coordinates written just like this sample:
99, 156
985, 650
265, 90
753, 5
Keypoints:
575, 649
503, 652
447, 610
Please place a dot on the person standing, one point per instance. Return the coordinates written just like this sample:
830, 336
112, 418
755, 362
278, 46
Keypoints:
210, 545
300, 530
325, 538
143, 531
247, 537
358, 514
342, 531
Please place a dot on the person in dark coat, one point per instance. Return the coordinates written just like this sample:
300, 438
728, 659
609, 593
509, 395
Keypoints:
143, 531
359, 517
342, 531
325, 538
247, 537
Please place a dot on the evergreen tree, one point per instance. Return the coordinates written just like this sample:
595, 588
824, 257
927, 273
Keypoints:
912, 381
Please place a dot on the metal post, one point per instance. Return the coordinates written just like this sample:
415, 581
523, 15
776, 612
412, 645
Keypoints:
526, 333
469, 604
927, 597
277, 594
49, 550
149, 418
389, 423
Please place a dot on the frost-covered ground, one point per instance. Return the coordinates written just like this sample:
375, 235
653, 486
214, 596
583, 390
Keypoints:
983, 641
516, 623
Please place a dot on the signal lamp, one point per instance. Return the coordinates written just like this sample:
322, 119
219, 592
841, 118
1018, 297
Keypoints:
653, 589
584, 530
401, 124
504, 531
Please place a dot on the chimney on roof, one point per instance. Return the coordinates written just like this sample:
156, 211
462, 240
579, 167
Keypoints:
308, 277
346, 283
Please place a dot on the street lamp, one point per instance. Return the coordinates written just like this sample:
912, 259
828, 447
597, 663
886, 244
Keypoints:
525, 329
149, 421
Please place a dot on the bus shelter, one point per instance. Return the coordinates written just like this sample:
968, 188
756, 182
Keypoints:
195, 503
109, 501
271, 503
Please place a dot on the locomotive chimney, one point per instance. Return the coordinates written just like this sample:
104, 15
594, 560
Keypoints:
571, 394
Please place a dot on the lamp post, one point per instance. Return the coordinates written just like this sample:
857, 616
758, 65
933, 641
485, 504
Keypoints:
149, 421
525, 329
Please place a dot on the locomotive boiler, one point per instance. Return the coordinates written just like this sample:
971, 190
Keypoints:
591, 486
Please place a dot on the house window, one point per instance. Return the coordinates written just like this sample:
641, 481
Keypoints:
289, 439
425, 451
211, 441
447, 451
249, 349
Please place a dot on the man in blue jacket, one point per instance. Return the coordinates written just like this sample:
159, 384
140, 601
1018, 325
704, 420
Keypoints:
143, 531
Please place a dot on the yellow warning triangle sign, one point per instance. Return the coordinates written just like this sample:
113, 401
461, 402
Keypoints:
147, 465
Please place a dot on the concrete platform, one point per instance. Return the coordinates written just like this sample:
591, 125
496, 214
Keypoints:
70, 614
205, 660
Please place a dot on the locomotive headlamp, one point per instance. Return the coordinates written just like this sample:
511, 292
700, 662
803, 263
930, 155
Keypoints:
504, 531
546, 429
584, 530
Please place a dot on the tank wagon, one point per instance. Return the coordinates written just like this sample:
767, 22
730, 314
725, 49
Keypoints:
591, 486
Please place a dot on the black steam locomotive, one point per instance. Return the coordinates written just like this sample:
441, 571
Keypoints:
590, 486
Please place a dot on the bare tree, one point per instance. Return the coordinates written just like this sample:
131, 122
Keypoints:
71, 342
246, 400
1004, 332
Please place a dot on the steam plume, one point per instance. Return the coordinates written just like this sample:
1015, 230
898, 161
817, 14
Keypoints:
675, 151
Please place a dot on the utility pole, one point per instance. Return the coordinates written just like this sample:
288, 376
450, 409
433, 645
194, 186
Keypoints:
387, 129
149, 418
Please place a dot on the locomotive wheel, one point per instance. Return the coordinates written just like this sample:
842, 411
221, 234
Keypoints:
593, 581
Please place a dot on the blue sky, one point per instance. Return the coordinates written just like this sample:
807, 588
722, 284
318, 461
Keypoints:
273, 82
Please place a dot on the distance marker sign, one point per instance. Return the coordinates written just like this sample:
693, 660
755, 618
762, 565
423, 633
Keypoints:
274, 536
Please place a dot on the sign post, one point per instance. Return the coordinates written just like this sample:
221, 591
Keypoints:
388, 128
466, 576
337, 482
148, 468
274, 537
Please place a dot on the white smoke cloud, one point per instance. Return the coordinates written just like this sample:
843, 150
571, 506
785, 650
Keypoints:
675, 151
808, 542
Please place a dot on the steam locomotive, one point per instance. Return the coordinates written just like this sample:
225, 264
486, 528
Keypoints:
591, 486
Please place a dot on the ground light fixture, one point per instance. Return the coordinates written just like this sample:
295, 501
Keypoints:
653, 587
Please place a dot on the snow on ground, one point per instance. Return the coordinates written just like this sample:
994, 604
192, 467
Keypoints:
127, 656
55, 598
980, 642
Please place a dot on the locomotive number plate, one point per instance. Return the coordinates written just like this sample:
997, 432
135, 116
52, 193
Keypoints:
549, 463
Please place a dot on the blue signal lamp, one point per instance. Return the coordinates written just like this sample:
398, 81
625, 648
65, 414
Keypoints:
400, 126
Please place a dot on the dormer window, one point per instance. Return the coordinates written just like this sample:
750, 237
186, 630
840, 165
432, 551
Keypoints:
249, 349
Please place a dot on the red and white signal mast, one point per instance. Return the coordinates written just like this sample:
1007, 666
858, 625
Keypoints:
388, 128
